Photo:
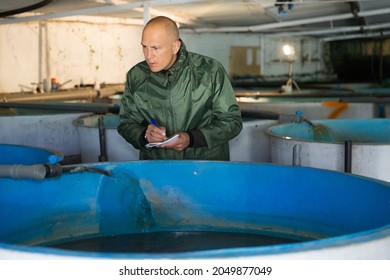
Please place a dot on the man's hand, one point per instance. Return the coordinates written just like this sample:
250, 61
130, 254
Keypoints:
180, 144
155, 134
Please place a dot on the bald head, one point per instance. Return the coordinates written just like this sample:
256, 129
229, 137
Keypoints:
163, 24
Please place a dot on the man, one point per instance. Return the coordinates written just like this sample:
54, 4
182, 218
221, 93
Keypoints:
175, 92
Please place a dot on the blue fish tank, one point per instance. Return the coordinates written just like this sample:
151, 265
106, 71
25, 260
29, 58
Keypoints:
194, 210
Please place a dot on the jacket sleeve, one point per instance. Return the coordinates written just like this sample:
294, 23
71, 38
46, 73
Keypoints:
226, 120
132, 124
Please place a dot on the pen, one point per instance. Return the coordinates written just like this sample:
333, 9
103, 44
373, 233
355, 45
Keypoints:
153, 121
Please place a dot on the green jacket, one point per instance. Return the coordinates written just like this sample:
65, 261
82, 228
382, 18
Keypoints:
195, 94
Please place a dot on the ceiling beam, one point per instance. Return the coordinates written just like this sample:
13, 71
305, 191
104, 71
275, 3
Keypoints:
97, 10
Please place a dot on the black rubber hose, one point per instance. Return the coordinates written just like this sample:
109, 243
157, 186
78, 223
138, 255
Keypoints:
348, 156
26, 8
102, 140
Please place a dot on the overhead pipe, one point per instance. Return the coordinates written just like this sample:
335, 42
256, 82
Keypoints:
329, 31
265, 27
26, 8
355, 36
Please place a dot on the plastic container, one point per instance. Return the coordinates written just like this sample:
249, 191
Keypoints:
326, 145
338, 211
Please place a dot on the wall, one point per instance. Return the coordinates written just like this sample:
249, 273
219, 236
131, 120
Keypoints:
88, 49
67, 50
218, 45
308, 60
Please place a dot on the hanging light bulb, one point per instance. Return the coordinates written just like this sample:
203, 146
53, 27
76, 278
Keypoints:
288, 50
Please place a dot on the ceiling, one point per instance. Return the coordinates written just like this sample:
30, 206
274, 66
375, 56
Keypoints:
327, 19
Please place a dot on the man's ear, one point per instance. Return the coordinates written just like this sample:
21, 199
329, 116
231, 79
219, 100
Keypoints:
176, 46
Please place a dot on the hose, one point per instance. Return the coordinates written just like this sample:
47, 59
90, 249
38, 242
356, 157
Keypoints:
36, 171
41, 171
348, 156
102, 140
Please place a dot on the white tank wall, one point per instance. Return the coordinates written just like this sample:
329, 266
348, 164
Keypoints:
367, 160
54, 131
117, 149
314, 110
251, 145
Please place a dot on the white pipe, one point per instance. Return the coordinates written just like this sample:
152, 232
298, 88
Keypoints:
269, 26
262, 50
174, 17
146, 13
355, 36
40, 53
330, 30
265, 27
47, 85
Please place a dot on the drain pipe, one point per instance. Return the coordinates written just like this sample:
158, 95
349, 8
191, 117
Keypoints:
348, 156
102, 140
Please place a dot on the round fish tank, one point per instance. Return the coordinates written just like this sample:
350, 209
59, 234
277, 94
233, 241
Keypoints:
363, 146
27, 155
251, 145
311, 213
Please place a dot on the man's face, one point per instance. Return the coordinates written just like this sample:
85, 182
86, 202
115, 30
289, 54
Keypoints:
160, 50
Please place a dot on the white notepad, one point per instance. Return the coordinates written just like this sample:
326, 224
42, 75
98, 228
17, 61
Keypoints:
158, 144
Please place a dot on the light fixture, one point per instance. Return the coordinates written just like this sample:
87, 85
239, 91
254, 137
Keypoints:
284, 6
289, 52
